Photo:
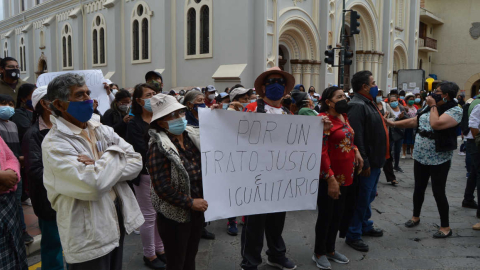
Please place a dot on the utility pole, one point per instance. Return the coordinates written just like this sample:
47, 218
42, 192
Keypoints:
344, 54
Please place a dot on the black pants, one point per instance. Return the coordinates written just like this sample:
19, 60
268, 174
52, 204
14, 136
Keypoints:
255, 228
395, 148
330, 214
439, 174
474, 177
111, 261
181, 240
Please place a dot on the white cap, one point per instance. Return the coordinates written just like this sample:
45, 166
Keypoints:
38, 94
237, 91
164, 104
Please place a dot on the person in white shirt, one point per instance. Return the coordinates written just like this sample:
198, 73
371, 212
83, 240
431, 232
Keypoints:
472, 150
86, 166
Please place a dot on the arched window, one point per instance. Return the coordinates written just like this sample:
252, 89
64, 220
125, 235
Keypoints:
67, 50
204, 30
140, 21
98, 41
192, 32
5, 50
136, 41
22, 56
198, 29
42, 40
145, 38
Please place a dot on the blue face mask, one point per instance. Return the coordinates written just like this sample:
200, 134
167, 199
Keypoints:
148, 105
274, 91
417, 100
177, 126
373, 91
379, 99
225, 106
196, 106
402, 97
6, 112
394, 104
81, 110
29, 103
253, 100
315, 100
245, 105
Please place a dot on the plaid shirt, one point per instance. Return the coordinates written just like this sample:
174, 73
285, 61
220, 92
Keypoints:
159, 167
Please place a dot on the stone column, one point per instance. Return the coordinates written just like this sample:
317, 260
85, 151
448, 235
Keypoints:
307, 74
368, 61
381, 76
375, 66
316, 75
296, 70
360, 57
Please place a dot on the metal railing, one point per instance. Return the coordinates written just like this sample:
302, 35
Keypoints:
428, 42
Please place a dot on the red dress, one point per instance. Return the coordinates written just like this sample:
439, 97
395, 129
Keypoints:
338, 151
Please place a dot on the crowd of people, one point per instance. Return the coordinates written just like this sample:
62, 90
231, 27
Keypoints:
94, 178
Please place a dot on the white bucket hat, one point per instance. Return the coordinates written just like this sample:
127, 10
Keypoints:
164, 104
38, 94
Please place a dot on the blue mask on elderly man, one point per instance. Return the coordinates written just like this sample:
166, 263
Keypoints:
81, 110
274, 91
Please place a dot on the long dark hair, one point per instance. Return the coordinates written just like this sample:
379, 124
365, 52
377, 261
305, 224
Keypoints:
137, 109
327, 94
23, 92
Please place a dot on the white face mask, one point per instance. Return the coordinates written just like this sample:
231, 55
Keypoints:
114, 91
211, 96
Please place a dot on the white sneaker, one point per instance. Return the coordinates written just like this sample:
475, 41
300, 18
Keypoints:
462, 154
27, 202
137, 232
403, 156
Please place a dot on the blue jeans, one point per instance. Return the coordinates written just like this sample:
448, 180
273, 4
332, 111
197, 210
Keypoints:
51, 248
367, 191
18, 195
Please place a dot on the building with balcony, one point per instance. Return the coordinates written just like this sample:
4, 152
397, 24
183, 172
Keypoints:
449, 42
201, 42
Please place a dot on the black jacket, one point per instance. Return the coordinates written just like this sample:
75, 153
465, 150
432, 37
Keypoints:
137, 134
23, 119
32, 151
370, 135
113, 118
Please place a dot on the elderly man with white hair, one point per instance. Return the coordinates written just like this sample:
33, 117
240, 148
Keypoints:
86, 166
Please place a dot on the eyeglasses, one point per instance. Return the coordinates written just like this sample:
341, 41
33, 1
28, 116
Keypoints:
281, 81
177, 114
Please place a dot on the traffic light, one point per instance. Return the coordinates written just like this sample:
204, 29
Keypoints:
330, 59
348, 58
354, 23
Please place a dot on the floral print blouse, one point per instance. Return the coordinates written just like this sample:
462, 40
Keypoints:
338, 151
424, 149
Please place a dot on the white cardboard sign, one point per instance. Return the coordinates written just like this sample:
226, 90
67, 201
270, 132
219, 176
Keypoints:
94, 80
254, 163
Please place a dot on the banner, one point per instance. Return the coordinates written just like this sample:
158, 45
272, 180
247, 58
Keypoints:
255, 163
94, 80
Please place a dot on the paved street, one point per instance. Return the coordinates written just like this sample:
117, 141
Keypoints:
399, 248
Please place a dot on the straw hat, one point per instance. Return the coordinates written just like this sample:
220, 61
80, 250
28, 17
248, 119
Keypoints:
274, 70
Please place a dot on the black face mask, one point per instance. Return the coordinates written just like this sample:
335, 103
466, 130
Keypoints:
341, 106
287, 102
436, 97
12, 73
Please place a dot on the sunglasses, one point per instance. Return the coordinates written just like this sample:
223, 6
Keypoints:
281, 81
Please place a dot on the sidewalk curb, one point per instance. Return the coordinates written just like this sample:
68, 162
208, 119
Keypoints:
35, 246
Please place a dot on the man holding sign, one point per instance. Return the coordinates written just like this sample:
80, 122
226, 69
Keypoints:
262, 167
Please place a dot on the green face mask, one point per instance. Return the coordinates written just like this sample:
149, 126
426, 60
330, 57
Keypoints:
155, 84
411, 102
